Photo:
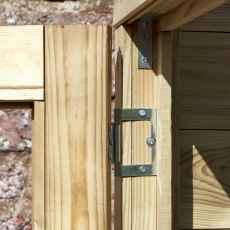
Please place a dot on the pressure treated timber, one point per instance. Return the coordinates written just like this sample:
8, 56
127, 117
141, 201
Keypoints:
186, 12
123, 46
204, 176
38, 165
217, 20
164, 132
129, 10
124, 9
78, 85
138, 205
204, 81
21, 63
143, 189
21, 94
175, 93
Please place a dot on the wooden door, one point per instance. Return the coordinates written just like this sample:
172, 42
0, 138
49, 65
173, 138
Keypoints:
63, 72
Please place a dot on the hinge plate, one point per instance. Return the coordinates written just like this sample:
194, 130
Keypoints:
124, 115
145, 41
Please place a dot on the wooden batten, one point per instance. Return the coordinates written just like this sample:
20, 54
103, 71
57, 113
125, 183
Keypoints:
21, 63
144, 201
172, 13
187, 12
77, 179
38, 166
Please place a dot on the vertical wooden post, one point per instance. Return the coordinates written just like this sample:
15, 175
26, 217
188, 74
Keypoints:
135, 89
78, 87
146, 201
164, 132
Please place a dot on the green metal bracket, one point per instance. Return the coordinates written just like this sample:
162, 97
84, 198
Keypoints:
125, 115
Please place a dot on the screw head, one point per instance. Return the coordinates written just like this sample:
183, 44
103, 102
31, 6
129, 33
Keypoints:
150, 141
143, 169
145, 36
144, 59
142, 113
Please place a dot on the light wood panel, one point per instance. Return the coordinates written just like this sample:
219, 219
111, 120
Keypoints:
77, 113
21, 63
38, 166
204, 174
204, 81
144, 190
22, 94
124, 9
123, 45
216, 20
135, 88
186, 12
129, 11
164, 132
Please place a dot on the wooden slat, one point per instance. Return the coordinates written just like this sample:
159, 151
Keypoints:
204, 80
143, 189
164, 132
217, 20
204, 174
21, 62
187, 12
38, 180
138, 195
123, 40
124, 9
77, 115
22, 94
129, 10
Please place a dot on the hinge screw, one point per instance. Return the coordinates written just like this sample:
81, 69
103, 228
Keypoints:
143, 169
142, 113
145, 36
144, 59
150, 141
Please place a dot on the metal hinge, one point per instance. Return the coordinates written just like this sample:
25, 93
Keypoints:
124, 115
145, 41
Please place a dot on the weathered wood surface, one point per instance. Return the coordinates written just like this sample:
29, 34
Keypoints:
204, 81
204, 176
77, 113
38, 165
21, 63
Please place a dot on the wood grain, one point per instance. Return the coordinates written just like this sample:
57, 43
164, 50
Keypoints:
129, 11
204, 175
21, 62
38, 165
143, 188
217, 20
164, 131
123, 202
124, 9
22, 94
138, 195
77, 114
187, 12
204, 80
